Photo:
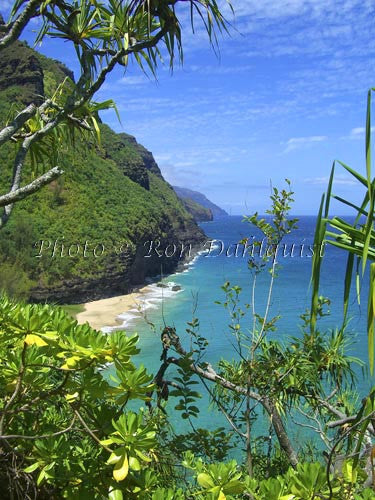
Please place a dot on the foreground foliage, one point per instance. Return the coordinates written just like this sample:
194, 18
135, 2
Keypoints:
58, 406
66, 429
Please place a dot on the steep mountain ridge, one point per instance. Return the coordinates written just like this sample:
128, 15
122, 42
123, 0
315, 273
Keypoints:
199, 212
188, 196
109, 222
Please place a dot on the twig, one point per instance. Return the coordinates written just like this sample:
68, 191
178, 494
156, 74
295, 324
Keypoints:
17, 388
42, 436
89, 431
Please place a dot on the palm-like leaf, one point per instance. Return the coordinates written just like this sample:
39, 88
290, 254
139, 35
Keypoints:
356, 238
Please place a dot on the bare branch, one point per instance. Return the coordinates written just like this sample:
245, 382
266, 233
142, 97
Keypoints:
222, 409
17, 123
15, 29
207, 372
120, 54
90, 432
42, 436
342, 421
17, 388
318, 428
7, 200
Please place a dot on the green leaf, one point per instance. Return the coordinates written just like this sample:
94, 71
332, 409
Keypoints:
316, 264
32, 339
115, 495
370, 317
205, 480
31, 468
329, 191
348, 281
113, 459
234, 488
134, 463
121, 469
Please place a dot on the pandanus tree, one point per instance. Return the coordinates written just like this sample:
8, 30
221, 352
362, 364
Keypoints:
356, 237
104, 35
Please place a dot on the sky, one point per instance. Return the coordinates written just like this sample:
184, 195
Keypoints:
285, 96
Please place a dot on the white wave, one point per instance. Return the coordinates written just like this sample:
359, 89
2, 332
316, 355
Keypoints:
149, 300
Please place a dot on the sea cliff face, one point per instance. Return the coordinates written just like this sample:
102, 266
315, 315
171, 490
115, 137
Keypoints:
108, 223
195, 198
199, 212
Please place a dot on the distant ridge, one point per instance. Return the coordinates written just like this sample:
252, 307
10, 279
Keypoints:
188, 194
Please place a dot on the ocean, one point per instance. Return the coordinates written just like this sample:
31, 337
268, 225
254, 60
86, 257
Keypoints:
201, 282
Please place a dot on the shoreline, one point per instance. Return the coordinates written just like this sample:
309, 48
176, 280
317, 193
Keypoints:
111, 312
105, 312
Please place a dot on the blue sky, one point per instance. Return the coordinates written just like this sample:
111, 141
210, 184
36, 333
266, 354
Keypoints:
285, 97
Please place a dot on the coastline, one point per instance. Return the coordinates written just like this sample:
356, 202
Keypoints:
117, 312
105, 312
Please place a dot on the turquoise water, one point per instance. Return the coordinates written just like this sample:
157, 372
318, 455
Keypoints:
201, 284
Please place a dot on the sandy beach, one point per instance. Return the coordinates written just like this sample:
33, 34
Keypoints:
103, 312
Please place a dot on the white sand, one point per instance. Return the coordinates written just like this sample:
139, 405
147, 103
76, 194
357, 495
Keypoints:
104, 312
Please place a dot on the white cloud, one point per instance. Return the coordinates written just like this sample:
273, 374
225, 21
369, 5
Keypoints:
159, 158
357, 133
340, 180
134, 80
221, 70
301, 142
184, 164
180, 176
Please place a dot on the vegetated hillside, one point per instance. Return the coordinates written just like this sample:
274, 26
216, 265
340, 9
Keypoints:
86, 235
199, 213
188, 195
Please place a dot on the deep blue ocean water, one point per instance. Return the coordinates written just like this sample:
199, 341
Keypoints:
201, 287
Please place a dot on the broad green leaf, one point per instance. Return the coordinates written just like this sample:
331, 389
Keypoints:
121, 468
115, 495
134, 463
113, 459
142, 456
205, 480
221, 495
32, 339
234, 488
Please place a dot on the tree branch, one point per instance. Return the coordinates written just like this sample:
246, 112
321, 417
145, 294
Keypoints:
209, 373
225, 413
7, 200
17, 388
17, 123
15, 29
342, 421
42, 436
89, 431
116, 59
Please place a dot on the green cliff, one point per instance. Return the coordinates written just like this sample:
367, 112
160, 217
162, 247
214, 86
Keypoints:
199, 212
86, 235
192, 198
